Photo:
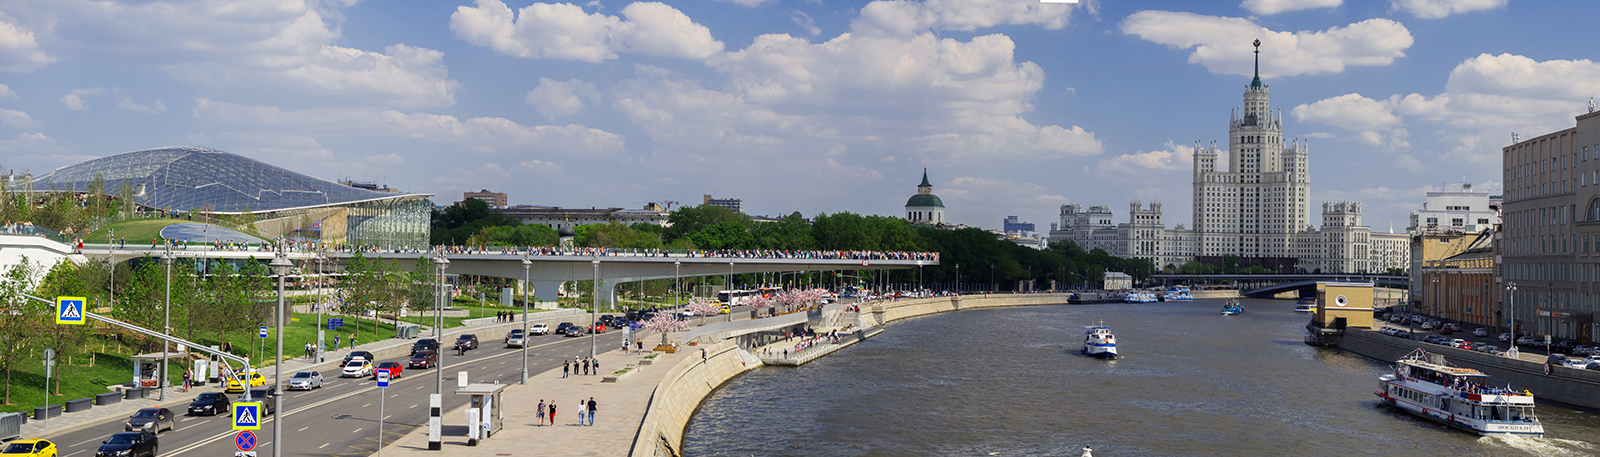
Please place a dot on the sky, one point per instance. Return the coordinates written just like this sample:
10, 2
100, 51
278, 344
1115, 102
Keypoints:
1014, 107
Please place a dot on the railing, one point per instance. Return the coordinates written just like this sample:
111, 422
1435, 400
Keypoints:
816, 345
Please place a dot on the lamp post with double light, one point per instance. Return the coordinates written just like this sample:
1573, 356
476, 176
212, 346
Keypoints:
280, 264
1511, 289
527, 265
166, 323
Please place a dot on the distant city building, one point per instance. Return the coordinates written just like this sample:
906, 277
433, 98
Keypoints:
732, 204
494, 199
1460, 209
559, 218
1014, 226
924, 207
1462, 286
1550, 241
1257, 210
1116, 280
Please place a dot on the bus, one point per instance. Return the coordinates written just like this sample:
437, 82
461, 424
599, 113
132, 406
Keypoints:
734, 297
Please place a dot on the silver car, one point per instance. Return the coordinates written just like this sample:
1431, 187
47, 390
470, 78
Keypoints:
514, 338
305, 380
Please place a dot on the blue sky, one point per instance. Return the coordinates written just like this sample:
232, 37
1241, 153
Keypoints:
1015, 107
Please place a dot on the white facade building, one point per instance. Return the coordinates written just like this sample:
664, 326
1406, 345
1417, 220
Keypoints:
1460, 209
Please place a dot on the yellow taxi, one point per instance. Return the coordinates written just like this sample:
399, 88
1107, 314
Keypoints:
30, 447
255, 379
726, 309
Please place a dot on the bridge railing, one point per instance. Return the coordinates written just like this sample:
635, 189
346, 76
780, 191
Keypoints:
547, 251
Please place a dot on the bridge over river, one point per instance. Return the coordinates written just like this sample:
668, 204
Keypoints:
1267, 286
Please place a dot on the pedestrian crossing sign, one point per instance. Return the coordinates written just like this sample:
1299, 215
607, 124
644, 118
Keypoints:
69, 310
247, 416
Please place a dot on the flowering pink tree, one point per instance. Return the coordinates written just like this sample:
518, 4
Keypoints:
704, 308
787, 299
665, 323
758, 302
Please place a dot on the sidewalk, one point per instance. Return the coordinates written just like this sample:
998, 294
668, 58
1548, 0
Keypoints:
621, 407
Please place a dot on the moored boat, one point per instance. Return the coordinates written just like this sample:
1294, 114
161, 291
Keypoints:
1232, 307
1305, 305
1178, 294
1425, 385
1098, 342
1139, 296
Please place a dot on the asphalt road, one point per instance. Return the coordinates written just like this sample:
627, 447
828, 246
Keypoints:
341, 419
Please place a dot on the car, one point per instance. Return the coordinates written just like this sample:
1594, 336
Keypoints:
425, 344
1455, 343
1465, 345
152, 420
1591, 359
468, 341
130, 444
574, 331
1487, 348
561, 329
424, 359
1564, 361
539, 329
394, 369
599, 327
1504, 337
210, 404
1480, 331
1583, 350
1402, 334
514, 338
1446, 330
33, 447
238, 382
1526, 340
1452, 326
726, 309
263, 396
1564, 346
358, 368
362, 354
305, 380
1592, 366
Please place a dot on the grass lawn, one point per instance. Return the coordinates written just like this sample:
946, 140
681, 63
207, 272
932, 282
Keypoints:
135, 231
76, 382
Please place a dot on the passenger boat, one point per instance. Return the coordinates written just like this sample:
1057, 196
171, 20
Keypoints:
1178, 294
1139, 296
1305, 305
1098, 342
1232, 307
1424, 385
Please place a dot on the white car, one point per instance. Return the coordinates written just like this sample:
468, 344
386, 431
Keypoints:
305, 380
1427, 326
357, 368
1480, 331
686, 312
1505, 337
539, 329
1525, 341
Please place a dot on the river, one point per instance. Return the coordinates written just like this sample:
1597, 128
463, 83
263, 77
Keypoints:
1010, 382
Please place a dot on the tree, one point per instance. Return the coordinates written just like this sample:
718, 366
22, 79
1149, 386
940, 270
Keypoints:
458, 223
665, 323
703, 308
724, 235
690, 219
20, 329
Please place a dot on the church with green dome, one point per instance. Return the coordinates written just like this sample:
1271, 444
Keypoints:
925, 207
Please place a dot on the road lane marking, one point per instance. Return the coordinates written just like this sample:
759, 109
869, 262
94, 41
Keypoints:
357, 431
303, 428
366, 405
413, 406
323, 445
75, 453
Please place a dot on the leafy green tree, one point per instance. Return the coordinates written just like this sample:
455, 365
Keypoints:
789, 233
724, 235
458, 223
688, 220
20, 330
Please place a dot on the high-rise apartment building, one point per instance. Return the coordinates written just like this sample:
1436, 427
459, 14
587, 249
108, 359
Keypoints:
494, 199
732, 204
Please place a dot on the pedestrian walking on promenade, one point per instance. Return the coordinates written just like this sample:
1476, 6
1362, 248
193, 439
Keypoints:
592, 407
585, 366
552, 413
565, 368
596, 362
541, 412
352, 341
188, 377
640, 344
336, 342
580, 412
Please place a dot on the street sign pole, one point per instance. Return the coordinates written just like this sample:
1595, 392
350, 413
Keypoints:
383, 394
49, 362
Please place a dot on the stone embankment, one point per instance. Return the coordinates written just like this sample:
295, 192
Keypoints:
1564, 386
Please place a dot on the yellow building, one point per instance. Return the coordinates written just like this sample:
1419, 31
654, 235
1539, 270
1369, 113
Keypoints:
1340, 305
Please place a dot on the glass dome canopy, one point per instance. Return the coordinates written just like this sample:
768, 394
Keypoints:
193, 178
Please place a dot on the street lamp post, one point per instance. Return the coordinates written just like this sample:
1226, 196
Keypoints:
280, 264
594, 310
166, 323
958, 279
992, 286
435, 421
1511, 288
527, 285
321, 337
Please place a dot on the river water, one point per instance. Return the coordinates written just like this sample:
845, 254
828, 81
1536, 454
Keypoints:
1010, 382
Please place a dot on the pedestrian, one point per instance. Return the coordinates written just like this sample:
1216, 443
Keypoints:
308, 349
640, 344
585, 366
592, 407
596, 363
566, 367
188, 377
352, 341
580, 412
336, 342
541, 412
552, 412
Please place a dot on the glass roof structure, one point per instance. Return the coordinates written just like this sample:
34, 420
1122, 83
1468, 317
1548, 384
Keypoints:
210, 180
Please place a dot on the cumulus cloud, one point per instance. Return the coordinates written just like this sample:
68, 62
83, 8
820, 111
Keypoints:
479, 133
565, 31
385, 159
6, 92
1434, 9
904, 17
14, 118
1223, 44
19, 51
554, 98
404, 75
539, 166
75, 100
1408, 163
1373, 122
984, 199
1174, 157
746, 3
804, 21
130, 105
1270, 7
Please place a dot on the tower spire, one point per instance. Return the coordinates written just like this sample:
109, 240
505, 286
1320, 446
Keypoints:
925, 179
1256, 83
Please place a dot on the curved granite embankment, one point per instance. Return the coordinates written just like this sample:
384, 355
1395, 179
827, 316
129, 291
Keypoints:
689, 382
1565, 386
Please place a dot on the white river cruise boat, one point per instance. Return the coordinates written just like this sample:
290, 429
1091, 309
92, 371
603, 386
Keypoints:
1098, 342
1305, 305
1422, 384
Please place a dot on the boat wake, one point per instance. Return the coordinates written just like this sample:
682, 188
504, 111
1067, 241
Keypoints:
1542, 446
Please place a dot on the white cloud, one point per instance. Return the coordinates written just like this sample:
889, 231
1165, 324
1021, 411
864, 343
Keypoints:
130, 105
540, 166
746, 3
1408, 163
903, 18
14, 118
555, 98
565, 31
385, 159
986, 201
1175, 157
1270, 7
804, 21
1223, 44
404, 75
6, 92
75, 100
479, 133
19, 52
1373, 121
1434, 9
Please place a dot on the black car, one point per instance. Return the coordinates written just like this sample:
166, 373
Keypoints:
210, 404
364, 354
468, 341
130, 444
153, 420
262, 395
425, 344
1564, 347
562, 329
424, 359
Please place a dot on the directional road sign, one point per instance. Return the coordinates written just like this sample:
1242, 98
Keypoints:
245, 441
262, 332
69, 310
335, 323
383, 378
247, 416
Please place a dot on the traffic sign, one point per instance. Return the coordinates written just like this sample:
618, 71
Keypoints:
383, 378
69, 310
335, 323
247, 416
262, 331
245, 441
244, 454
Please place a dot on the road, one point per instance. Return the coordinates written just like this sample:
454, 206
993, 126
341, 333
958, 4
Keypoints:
341, 419
1536, 353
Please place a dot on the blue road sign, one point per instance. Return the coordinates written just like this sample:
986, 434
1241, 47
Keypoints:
247, 416
383, 378
245, 441
262, 332
335, 323
69, 310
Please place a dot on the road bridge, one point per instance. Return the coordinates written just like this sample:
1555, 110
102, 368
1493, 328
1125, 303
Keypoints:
1265, 286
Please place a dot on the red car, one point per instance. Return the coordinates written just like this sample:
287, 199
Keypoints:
598, 328
394, 369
